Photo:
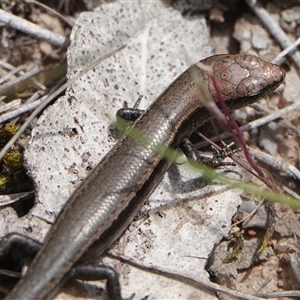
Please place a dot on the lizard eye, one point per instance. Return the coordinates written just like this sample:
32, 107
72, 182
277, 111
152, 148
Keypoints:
225, 75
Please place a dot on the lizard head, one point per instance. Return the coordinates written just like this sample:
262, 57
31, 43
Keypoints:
240, 76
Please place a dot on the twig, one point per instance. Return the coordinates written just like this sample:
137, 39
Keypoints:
292, 194
279, 35
11, 73
31, 103
277, 163
51, 11
292, 294
12, 198
39, 94
26, 107
295, 264
271, 117
33, 29
250, 215
259, 122
17, 81
198, 284
286, 51
7, 66
14, 85
13, 105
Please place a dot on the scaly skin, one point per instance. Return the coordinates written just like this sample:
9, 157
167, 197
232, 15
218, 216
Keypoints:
105, 203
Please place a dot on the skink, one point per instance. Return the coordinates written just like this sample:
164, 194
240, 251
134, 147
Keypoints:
105, 203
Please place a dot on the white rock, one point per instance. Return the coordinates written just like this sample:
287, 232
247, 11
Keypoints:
187, 217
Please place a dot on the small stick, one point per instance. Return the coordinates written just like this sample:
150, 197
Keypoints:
277, 163
33, 30
51, 11
254, 124
198, 284
279, 35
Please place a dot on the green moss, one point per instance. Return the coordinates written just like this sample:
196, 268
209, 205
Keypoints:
13, 159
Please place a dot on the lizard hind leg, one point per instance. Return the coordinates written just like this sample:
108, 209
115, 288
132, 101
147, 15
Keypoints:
16, 250
89, 272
